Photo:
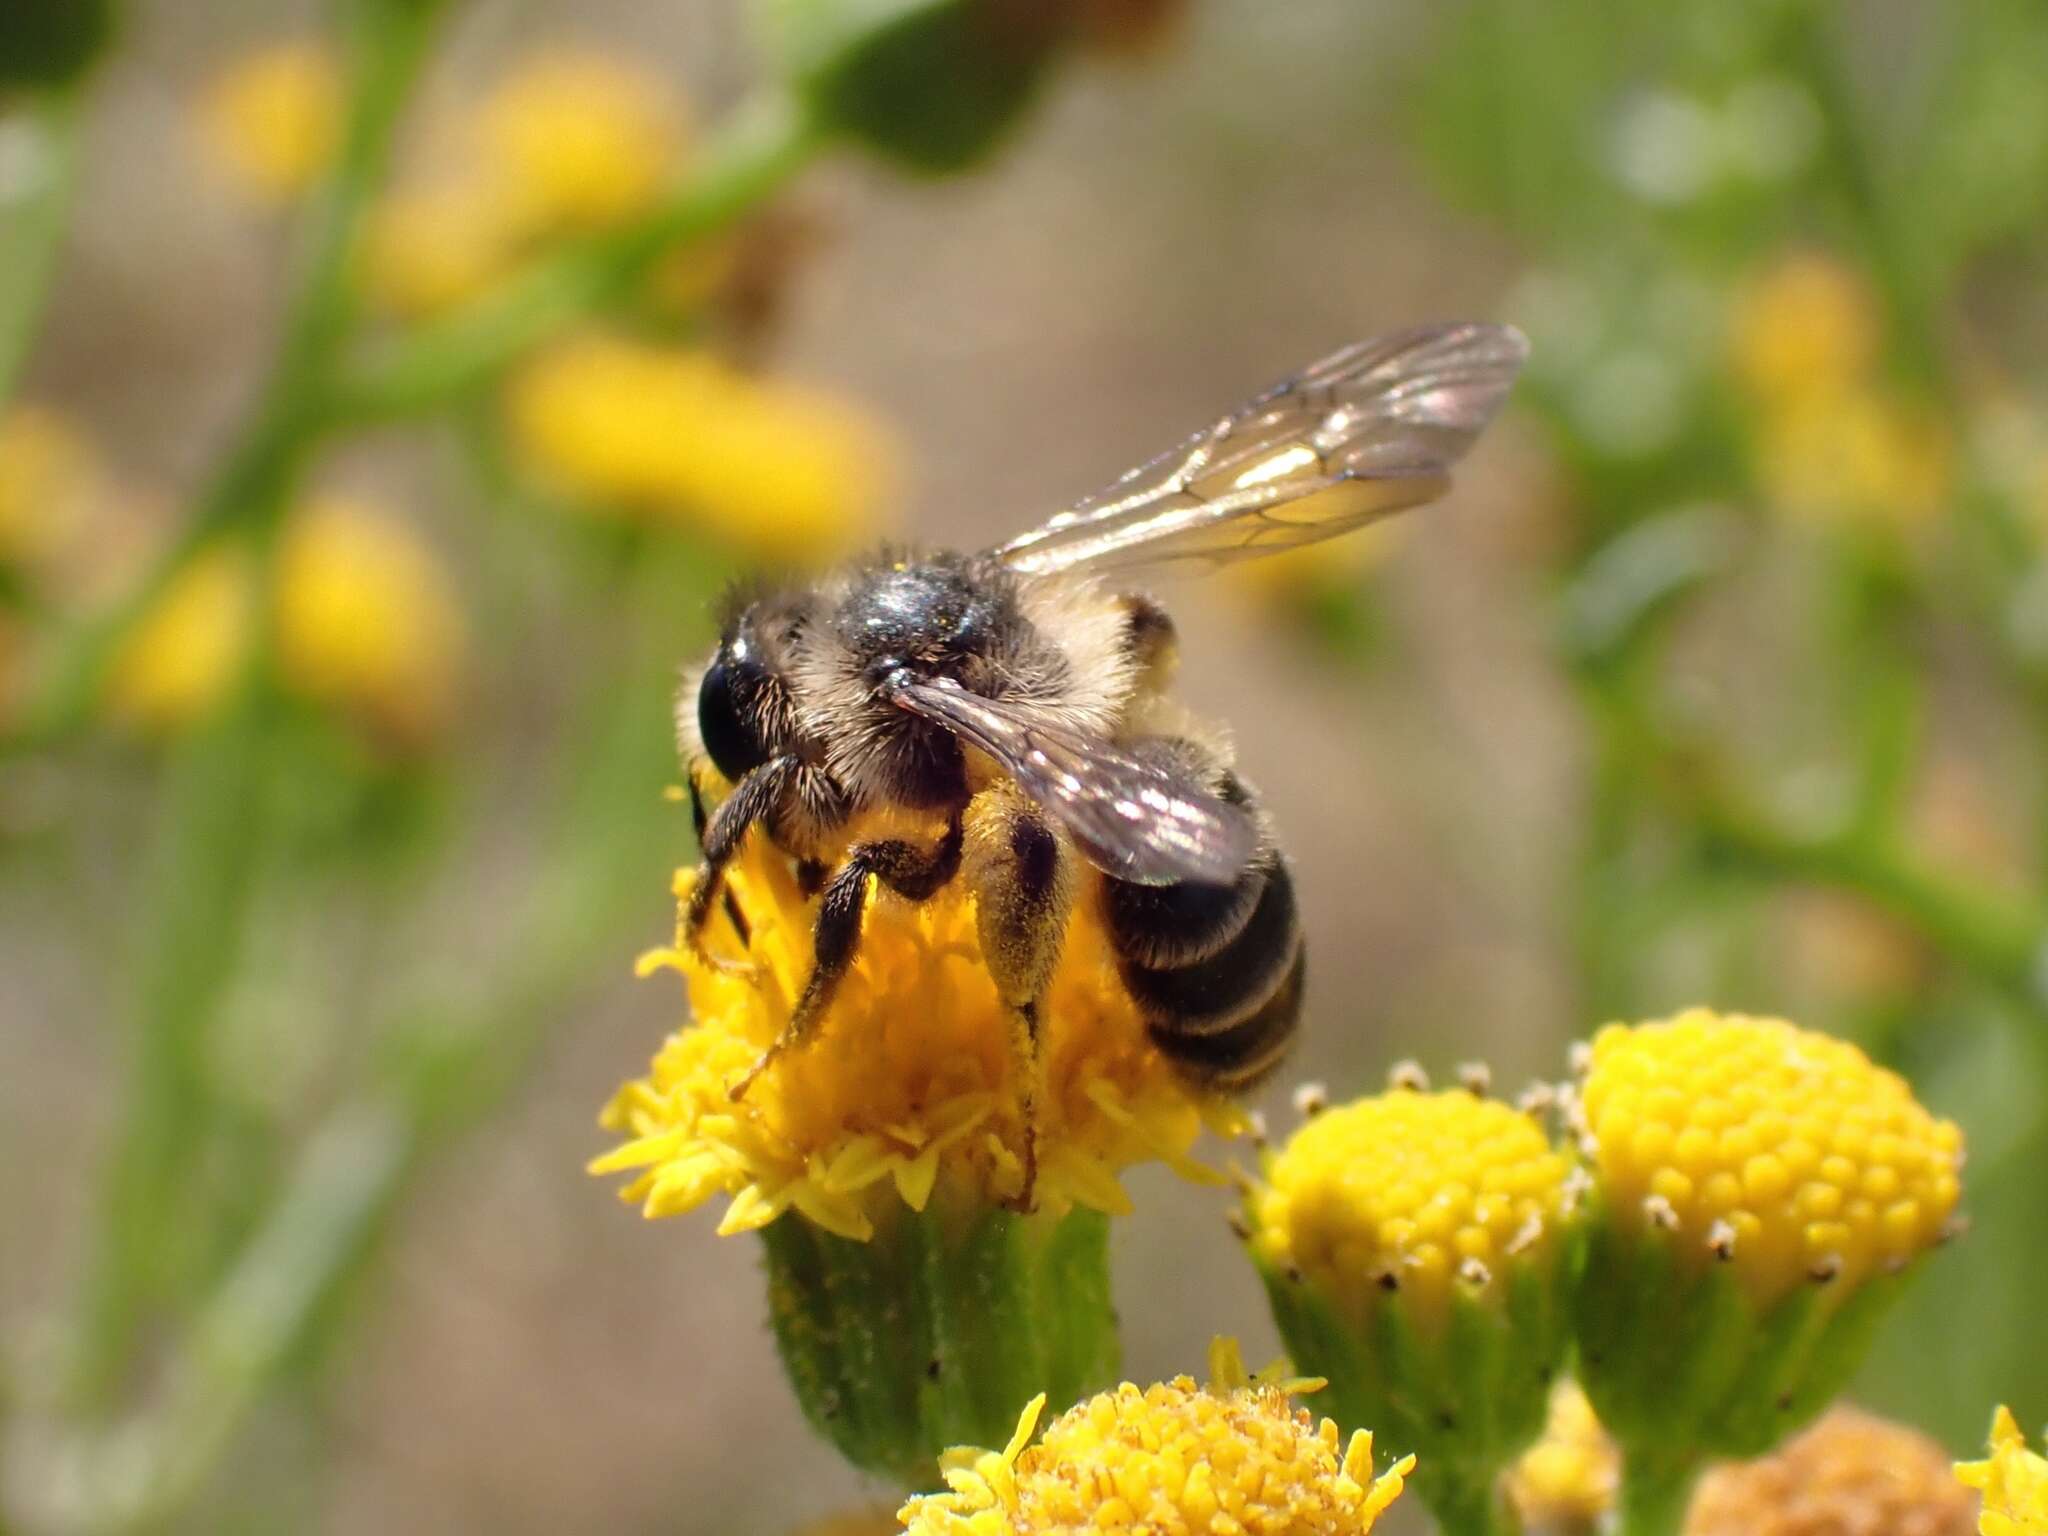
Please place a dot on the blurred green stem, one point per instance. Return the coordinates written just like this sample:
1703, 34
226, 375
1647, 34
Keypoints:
766, 142
212, 823
33, 220
454, 1062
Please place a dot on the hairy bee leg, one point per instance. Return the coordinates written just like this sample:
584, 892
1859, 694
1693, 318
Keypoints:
914, 873
699, 819
1022, 877
751, 799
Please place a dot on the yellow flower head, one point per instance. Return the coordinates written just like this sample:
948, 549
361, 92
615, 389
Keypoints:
1857, 453
1409, 1191
578, 141
2013, 1480
430, 248
180, 660
1169, 1460
1805, 327
1784, 1152
1852, 1474
51, 486
678, 436
273, 118
904, 1087
1567, 1480
362, 617
366, 620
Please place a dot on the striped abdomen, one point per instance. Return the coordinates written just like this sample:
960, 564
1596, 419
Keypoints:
1215, 970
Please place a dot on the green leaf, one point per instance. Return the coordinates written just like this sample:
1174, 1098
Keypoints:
931, 84
49, 42
37, 144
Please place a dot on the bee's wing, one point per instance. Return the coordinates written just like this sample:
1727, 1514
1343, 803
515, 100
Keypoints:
1364, 432
1134, 819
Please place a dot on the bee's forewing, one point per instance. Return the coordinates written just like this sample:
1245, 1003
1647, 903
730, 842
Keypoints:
1365, 432
1133, 819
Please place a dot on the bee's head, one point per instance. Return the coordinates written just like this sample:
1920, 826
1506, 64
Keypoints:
736, 711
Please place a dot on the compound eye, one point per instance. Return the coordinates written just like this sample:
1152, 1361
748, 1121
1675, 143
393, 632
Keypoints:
729, 730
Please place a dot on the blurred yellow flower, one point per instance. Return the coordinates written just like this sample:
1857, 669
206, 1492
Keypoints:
567, 143
578, 141
272, 119
1833, 439
51, 486
1782, 1152
1402, 1190
180, 660
1858, 453
427, 249
677, 436
366, 620
904, 1089
1566, 1482
2013, 1480
1807, 326
1175, 1459
1851, 1474
363, 619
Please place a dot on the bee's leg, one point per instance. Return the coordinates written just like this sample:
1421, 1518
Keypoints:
910, 871
751, 799
699, 819
1023, 881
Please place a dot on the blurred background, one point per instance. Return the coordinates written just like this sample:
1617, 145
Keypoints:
386, 389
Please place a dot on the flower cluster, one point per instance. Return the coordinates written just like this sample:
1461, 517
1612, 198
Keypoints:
905, 1088
1779, 1152
1410, 1191
364, 619
1174, 1459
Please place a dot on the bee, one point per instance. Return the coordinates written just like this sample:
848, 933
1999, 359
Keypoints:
1019, 698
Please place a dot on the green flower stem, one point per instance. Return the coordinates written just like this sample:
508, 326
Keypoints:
940, 1328
766, 142
1655, 1491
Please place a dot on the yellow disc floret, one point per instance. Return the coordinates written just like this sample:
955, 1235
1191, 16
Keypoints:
905, 1085
1852, 1474
1567, 1480
1408, 1191
2013, 1480
1783, 1152
1169, 1460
